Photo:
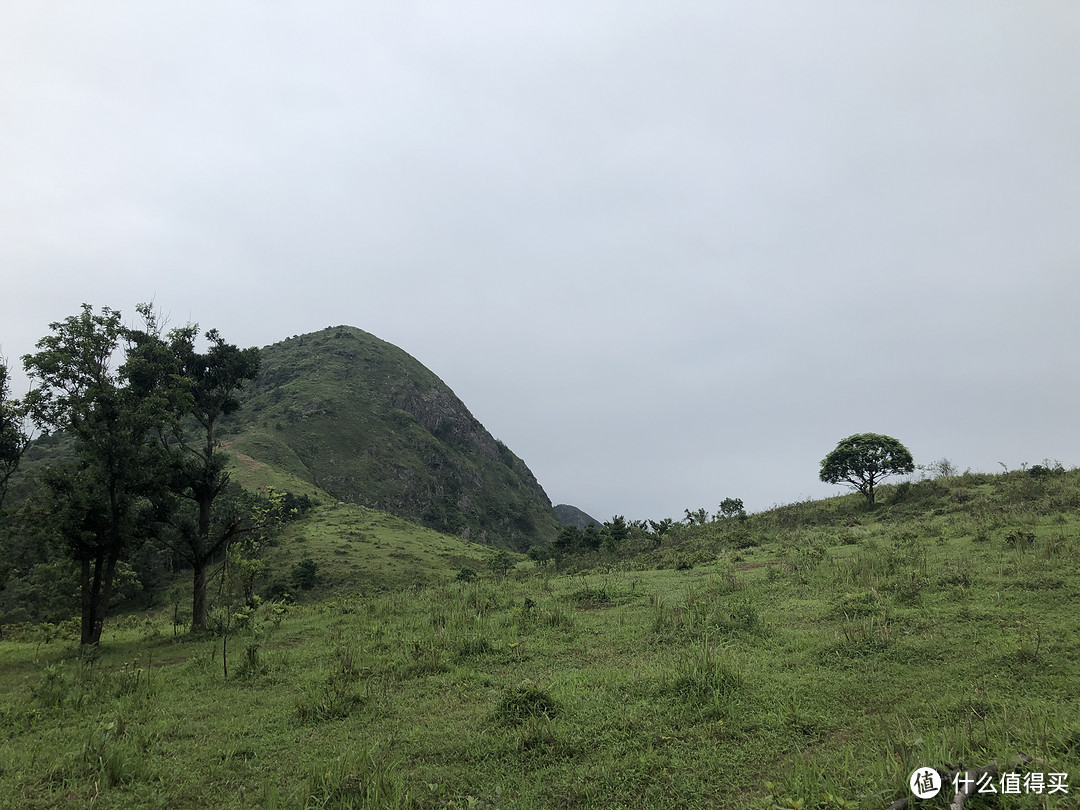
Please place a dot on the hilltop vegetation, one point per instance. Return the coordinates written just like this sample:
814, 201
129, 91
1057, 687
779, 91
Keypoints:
810, 656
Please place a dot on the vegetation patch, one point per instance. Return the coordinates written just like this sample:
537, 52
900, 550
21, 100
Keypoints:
703, 674
525, 702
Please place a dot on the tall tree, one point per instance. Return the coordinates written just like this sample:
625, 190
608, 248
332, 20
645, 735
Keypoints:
213, 380
616, 532
111, 402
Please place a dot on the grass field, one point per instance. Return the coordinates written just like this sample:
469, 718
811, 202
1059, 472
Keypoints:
809, 657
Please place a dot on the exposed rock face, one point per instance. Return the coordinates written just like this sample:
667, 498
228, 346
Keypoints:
572, 516
369, 424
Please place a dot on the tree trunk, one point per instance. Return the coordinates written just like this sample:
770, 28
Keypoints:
96, 582
96, 596
86, 630
198, 601
200, 555
104, 601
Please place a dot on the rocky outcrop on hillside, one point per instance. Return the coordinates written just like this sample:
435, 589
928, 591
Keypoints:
572, 516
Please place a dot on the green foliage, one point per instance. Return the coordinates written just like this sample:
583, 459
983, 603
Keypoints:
568, 541
616, 532
863, 460
305, 574
13, 434
372, 782
703, 674
500, 562
1045, 469
244, 570
698, 517
96, 503
732, 507
208, 384
831, 647
661, 528
334, 699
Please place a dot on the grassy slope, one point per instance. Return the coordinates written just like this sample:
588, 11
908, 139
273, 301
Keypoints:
360, 549
816, 653
356, 548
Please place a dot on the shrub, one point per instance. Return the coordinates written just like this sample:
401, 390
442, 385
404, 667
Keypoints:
278, 590
1019, 539
305, 574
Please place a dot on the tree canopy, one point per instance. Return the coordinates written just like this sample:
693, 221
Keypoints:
110, 408
13, 436
863, 460
212, 381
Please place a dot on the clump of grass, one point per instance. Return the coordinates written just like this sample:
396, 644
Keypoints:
54, 689
371, 782
591, 597
555, 615
252, 665
707, 612
907, 586
744, 617
423, 658
662, 615
861, 637
727, 581
704, 674
334, 699
107, 760
959, 577
472, 642
473, 647
859, 603
525, 702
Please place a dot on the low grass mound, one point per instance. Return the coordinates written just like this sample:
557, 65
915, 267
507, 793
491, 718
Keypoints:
341, 548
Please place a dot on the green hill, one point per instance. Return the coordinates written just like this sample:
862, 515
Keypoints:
360, 419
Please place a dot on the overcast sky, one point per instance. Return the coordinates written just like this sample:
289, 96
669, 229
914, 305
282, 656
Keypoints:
668, 252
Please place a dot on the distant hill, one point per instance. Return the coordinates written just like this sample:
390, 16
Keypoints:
365, 422
572, 516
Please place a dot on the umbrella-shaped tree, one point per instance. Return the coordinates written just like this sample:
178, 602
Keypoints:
863, 460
